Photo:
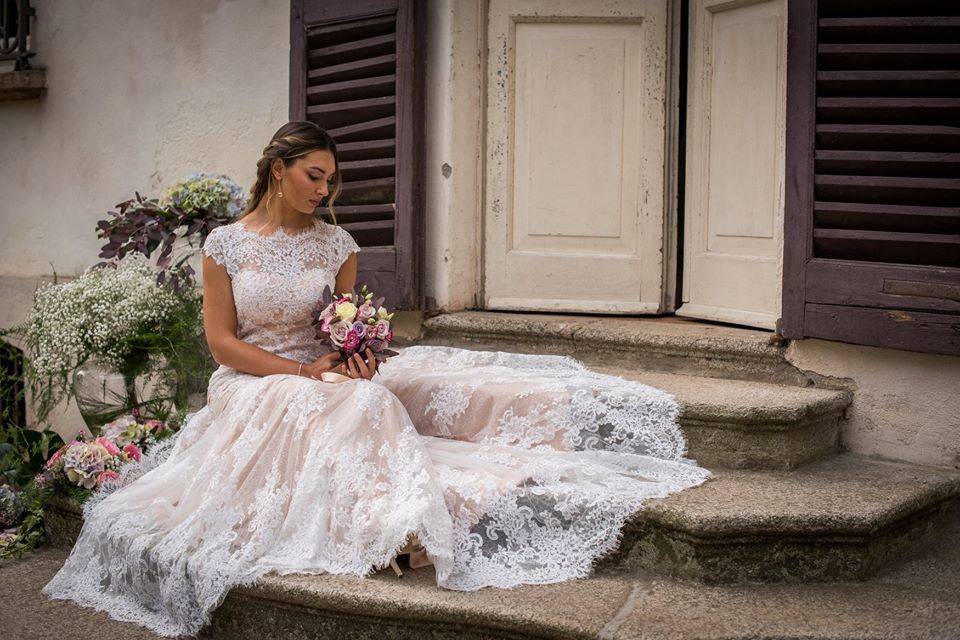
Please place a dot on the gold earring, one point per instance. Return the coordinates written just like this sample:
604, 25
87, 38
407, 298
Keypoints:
280, 189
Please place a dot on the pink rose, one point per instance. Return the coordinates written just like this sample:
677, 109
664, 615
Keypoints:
133, 451
109, 446
54, 459
381, 328
107, 475
365, 311
352, 341
338, 333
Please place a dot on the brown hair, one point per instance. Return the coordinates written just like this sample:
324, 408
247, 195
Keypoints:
291, 141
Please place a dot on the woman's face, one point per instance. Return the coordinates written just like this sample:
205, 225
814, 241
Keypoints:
307, 180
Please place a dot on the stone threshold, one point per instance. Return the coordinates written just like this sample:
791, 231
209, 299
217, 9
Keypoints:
674, 345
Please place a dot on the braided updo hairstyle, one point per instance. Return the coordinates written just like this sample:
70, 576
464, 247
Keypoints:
291, 141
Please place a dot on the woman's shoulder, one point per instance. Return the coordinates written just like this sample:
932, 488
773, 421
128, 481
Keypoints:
339, 235
221, 245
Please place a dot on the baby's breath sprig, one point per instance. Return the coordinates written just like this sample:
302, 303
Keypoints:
120, 315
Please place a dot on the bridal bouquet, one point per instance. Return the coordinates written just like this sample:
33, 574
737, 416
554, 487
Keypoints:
353, 322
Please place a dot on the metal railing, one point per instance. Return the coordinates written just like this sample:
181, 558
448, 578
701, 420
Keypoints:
15, 17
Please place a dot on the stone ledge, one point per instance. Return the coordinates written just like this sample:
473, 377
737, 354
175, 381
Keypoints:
657, 344
838, 519
23, 85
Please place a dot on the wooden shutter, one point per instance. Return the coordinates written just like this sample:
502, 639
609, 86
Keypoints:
872, 246
356, 71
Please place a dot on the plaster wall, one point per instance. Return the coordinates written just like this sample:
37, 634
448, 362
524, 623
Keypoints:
453, 184
906, 405
139, 94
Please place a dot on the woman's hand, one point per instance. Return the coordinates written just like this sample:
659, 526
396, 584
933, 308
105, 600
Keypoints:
355, 367
326, 362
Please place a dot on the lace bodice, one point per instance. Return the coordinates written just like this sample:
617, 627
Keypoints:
277, 280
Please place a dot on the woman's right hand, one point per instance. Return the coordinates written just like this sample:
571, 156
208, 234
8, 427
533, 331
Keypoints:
326, 362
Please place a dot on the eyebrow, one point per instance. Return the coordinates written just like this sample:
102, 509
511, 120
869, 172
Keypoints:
318, 169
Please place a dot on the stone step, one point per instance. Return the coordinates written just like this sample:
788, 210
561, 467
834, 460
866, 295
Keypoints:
916, 597
841, 518
742, 424
750, 425
879, 532
674, 345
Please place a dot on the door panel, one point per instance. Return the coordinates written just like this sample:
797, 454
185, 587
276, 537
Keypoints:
574, 211
733, 242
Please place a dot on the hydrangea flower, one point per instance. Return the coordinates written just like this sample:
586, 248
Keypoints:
203, 192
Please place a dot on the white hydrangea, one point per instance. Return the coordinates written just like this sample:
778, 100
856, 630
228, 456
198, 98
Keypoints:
94, 314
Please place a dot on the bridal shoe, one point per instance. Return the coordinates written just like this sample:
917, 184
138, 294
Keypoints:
417, 555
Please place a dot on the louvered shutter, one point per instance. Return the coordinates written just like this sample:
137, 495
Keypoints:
872, 247
356, 71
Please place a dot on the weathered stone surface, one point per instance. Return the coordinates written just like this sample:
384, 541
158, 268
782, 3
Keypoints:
655, 344
23, 85
838, 519
750, 425
306, 606
62, 521
917, 598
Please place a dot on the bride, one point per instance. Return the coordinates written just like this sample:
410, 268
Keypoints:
504, 468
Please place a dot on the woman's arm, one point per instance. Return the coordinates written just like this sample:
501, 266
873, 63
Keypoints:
220, 326
347, 276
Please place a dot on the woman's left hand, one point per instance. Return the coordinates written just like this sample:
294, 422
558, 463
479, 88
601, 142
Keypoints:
355, 367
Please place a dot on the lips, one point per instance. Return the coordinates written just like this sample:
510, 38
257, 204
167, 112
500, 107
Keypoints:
315, 203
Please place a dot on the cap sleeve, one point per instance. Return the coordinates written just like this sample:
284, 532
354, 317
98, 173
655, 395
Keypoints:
218, 246
344, 245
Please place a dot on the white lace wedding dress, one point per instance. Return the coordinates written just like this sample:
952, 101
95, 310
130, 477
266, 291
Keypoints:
509, 468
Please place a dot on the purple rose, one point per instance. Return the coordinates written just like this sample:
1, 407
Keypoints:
359, 328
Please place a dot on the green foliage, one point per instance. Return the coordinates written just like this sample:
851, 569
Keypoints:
30, 534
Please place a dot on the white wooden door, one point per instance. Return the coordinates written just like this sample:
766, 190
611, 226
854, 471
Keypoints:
574, 198
734, 184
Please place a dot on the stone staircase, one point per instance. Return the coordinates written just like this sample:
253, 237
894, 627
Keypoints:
792, 537
786, 504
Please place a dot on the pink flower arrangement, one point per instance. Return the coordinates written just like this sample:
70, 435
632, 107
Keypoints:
353, 322
91, 463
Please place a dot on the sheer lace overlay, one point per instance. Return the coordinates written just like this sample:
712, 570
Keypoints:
510, 468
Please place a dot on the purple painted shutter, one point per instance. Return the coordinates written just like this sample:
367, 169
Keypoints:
872, 253
356, 71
